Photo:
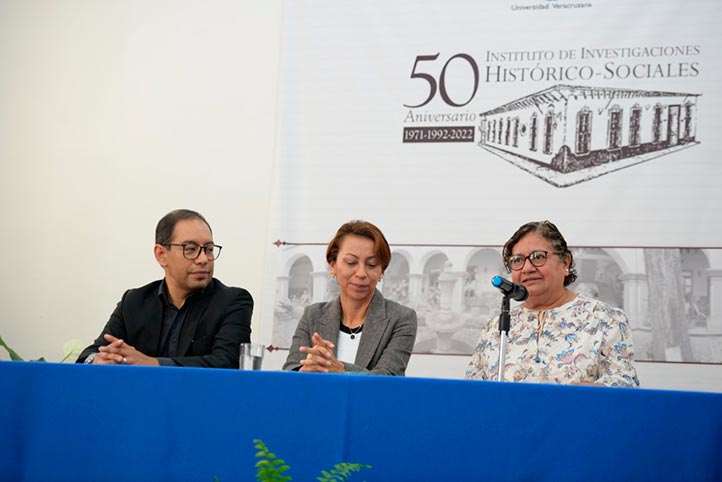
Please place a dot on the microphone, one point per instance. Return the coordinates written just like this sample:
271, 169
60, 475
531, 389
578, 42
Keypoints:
510, 290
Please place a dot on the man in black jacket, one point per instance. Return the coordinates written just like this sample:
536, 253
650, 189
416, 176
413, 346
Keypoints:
188, 318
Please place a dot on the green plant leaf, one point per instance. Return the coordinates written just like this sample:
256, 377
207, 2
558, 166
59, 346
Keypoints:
13, 356
270, 468
341, 472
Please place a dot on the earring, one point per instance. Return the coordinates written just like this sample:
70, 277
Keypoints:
567, 270
381, 278
333, 274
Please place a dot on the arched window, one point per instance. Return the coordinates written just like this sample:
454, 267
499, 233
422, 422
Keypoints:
300, 283
635, 118
533, 129
584, 131
615, 127
549, 131
657, 124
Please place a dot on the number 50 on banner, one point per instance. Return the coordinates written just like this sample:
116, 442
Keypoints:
441, 84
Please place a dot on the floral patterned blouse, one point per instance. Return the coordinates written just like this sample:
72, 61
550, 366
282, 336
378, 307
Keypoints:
584, 340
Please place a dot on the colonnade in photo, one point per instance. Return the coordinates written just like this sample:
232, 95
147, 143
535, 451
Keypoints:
450, 288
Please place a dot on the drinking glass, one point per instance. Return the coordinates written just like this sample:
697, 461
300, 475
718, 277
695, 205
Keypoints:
251, 356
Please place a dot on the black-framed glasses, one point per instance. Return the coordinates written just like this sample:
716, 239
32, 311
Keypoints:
192, 250
536, 258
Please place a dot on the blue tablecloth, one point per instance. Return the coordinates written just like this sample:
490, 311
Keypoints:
78, 422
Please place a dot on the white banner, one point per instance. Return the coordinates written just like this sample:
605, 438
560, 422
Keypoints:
450, 124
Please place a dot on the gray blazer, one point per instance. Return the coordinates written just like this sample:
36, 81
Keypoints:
388, 335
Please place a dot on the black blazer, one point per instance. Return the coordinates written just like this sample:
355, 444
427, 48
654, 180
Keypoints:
217, 323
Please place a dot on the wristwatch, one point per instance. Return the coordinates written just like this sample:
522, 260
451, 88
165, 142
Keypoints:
90, 358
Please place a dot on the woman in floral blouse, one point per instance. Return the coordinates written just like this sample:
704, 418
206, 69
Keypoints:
556, 336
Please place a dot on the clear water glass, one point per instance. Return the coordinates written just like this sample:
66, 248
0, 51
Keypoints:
251, 356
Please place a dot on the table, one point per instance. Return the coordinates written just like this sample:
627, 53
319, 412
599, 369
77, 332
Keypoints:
82, 422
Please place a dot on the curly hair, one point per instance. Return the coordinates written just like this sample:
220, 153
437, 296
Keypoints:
551, 233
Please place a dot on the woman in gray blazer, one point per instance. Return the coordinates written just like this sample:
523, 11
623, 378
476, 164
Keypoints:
360, 331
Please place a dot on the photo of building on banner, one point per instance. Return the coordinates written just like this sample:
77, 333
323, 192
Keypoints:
671, 296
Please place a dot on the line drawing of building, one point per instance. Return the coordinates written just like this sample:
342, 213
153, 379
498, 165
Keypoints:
450, 289
568, 134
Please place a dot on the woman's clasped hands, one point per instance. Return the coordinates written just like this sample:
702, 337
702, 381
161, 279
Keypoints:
320, 357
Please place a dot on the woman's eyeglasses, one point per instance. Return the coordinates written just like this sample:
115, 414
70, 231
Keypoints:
536, 258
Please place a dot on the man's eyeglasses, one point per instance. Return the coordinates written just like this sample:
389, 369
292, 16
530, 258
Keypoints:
536, 258
192, 250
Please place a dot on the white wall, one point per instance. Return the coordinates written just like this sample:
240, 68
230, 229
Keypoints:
112, 113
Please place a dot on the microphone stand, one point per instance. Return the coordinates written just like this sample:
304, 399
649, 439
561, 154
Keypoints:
504, 324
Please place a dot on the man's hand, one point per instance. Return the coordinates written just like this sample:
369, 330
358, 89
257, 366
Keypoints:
119, 352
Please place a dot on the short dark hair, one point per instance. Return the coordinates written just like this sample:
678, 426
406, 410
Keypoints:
365, 229
551, 233
166, 225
